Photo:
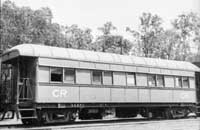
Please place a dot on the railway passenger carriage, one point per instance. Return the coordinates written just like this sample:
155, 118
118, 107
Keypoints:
50, 84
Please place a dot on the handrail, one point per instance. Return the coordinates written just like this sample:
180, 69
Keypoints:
25, 90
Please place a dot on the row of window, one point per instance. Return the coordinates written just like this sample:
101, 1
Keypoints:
82, 76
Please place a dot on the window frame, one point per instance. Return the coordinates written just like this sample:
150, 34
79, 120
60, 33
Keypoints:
80, 71
61, 78
188, 79
149, 80
134, 77
117, 74
103, 73
92, 77
74, 76
181, 86
163, 77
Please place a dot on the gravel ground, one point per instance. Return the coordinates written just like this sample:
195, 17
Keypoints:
181, 124
10, 121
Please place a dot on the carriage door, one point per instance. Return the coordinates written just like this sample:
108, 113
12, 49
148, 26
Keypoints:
26, 78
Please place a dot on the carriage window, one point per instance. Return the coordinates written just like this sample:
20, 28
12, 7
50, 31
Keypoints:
130, 79
107, 78
152, 80
178, 82
192, 82
185, 82
6, 72
69, 76
169, 81
141, 79
97, 77
56, 74
83, 76
160, 81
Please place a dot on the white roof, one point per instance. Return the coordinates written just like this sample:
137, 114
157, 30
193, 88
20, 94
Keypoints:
35, 50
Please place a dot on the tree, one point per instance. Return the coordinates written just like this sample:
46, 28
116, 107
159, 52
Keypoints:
188, 28
77, 38
41, 25
104, 41
120, 45
107, 42
55, 35
8, 22
147, 38
23, 25
169, 45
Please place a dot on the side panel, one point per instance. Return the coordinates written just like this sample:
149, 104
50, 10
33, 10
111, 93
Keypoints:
192, 83
144, 95
184, 96
117, 94
131, 95
161, 96
68, 94
92, 95
57, 94
44, 74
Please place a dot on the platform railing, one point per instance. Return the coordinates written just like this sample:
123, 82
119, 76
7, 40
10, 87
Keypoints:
6, 92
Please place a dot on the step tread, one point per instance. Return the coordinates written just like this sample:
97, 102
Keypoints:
31, 117
27, 109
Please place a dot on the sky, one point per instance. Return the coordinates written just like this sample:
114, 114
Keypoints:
122, 13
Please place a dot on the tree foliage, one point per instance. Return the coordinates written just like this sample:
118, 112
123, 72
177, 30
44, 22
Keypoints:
152, 40
24, 25
108, 42
20, 25
77, 38
147, 38
187, 27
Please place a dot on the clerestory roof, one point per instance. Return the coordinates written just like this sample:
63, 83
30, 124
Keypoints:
35, 50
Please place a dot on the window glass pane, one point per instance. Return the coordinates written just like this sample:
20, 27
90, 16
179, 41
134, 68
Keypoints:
107, 78
152, 80
131, 79
96, 77
56, 74
178, 82
69, 76
185, 82
160, 80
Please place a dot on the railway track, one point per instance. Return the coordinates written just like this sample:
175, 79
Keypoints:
91, 123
